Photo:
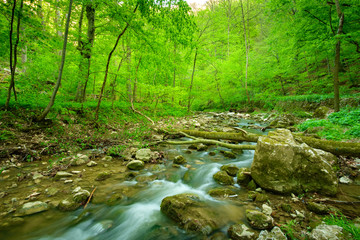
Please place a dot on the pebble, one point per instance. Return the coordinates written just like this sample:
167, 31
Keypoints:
68, 181
75, 172
345, 180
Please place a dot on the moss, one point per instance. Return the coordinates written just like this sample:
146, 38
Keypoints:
102, 176
251, 185
286, 207
223, 178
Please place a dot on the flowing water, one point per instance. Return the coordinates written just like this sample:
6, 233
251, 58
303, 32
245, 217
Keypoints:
139, 216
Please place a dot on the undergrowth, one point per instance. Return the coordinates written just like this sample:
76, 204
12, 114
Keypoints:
342, 221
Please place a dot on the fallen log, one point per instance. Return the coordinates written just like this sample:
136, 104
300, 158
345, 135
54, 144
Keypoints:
334, 147
212, 142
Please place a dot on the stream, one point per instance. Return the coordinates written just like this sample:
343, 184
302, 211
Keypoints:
139, 216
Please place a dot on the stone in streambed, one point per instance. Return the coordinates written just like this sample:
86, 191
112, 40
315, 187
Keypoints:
135, 165
229, 154
179, 160
275, 234
68, 205
81, 196
201, 147
144, 155
31, 208
62, 174
241, 232
317, 208
223, 178
231, 169
331, 232
91, 164
102, 176
79, 159
259, 220
242, 178
221, 192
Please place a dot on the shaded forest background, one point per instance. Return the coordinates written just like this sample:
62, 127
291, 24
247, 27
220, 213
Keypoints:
172, 58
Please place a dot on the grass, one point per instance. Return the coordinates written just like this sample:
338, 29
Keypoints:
342, 221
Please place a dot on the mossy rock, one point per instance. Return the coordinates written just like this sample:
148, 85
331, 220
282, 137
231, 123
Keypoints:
317, 208
240, 231
192, 146
259, 220
322, 112
231, 169
223, 178
221, 192
135, 165
212, 153
261, 197
251, 185
103, 176
179, 160
229, 154
68, 205
286, 207
116, 197
201, 147
243, 179
81, 196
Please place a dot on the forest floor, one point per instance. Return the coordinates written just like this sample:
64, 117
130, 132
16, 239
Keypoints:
41, 146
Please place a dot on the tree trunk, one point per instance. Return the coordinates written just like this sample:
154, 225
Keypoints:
135, 81
174, 74
107, 67
192, 80
246, 50
63, 54
128, 85
337, 58
13, 51
80, 47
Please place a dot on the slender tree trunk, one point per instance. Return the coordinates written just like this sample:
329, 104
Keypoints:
13, 51
80, 47
135, 81
107, 67
247, 51
174, 74
63, 55
192, 80
128, 85
337, 58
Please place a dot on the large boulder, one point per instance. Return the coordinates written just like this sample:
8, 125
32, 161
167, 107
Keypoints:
223, 178
190, 213
283, 165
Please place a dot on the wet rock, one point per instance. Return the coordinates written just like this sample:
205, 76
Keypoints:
114, 199
68, 205
37, 176
283, 121
81, 196
221, 192
241, 232
190, 213
317, 208
231, 169
345, 180
251, 185
106, 224
327, 232
286, 207
107, 159
2, 194
135, 165
31, 208
179, 160
91, 164
223, 178
218, 236
275, 233
212, 153
266, 209
68, 181
62, 174
201, 147
283, 165
79, 159
229, 154
144, 155
261, 197
243, 178
259, 220
322, 112
102, 176
146, 179
188, 151
193, 147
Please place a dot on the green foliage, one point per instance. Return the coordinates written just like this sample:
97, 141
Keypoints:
6, 135
288, 228
342, 221
116, 151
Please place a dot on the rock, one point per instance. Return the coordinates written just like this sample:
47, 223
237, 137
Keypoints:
91, 164
283, 121
68, 205
261, 197
2, 194
231, 169
243, 178
322, 112
179, 160
144, 155
259, 220
251, 185
192, 146
221, 192
146, 178
317, 208
81, 196
345, 180
68, 181
107, 159
31, 208
37, 176
79, 159
241, 232
327, 232
114, 198
218, 236
286, 207
102, 176
299, 214
135, 165
62, 174
229, 154
266, 209
212, 153
275, 234
283, 165
51, 191
190, 213
201, 147
223, 178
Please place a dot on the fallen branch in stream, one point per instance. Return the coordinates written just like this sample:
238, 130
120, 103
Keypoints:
92, 193
325, 200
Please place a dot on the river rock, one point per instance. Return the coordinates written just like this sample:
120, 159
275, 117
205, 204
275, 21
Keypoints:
81, 196
275, 234
107, 158
68, 205
243, 178
229, 154
62, 174
31, 208
135, 165
266, 209
79, 159
322, 112
283, 121
259, 220
327, 232
223, 178
179, 160
345, 180
283, 165
317, 208
231, 169
241, 232
91, 164
201, 147
221, 192
190, 213
144, 155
